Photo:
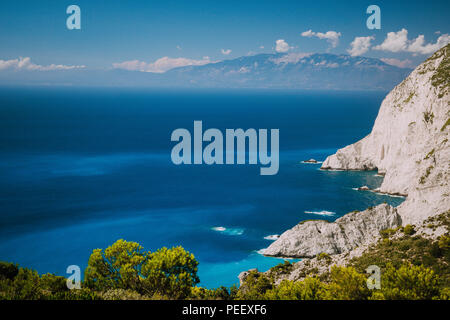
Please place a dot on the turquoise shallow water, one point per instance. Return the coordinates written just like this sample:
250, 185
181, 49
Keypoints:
82, 168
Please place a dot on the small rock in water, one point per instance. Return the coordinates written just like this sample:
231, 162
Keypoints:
363, 188
310, 161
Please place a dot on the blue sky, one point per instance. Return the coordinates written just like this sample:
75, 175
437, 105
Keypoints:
116, 31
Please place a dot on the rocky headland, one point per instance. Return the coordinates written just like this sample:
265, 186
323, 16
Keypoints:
409, 146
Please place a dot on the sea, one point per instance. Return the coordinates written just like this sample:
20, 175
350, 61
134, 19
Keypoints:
83, 167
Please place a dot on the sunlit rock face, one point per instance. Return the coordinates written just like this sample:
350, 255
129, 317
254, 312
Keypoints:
409, 141
311, 238
409, 146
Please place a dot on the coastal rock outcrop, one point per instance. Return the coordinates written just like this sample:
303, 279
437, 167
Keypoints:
311, 238
409, 146
409, 141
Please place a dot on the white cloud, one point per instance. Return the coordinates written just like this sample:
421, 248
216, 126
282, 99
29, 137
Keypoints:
398, 63
394, 42
226, 52
398, 42
360, 45
331, 36
282, 46
292, 57
419, 46
161, 65
26, 64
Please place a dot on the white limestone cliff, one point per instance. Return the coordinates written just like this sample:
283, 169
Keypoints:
409, 146
409, 141
311, 238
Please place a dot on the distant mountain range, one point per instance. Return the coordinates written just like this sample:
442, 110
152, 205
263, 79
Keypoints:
281, 71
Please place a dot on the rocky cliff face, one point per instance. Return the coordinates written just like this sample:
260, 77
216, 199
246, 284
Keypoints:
311, 238
409, 141
409, 145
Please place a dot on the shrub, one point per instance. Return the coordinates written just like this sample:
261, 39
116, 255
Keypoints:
52, 284
282, 268
386, 233
428, 117
324, 256
172, 272
8, 270
409, 282
409, 230
117, 267
221, 293
122, 294
124, 265
24, 286
254, 287
311, 288
347, 284
444, 242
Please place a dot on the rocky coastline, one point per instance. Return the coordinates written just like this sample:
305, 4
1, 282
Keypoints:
409, 147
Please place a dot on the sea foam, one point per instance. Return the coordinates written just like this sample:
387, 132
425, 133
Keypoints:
229, 231
321, 213
272, 237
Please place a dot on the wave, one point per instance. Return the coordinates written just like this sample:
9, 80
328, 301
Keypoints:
272, 237
321, 213
307, 162
388, 194
379, 193
229, 231
261, 251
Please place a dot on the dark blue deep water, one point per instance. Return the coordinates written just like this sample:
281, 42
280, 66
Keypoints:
81, 168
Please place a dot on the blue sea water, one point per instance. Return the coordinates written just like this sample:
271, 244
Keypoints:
81, 168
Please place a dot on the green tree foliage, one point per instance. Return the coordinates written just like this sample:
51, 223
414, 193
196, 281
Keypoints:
221, 293
125, 265
24, 286
171, 272
409, 282
309, 289
53, 285
254, 287
124, 271
347, 284
116, 267
8, 270
409, 230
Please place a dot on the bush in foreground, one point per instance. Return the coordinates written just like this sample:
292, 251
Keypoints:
412, 268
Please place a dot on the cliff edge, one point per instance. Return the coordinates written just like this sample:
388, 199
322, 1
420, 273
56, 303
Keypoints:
409, 141
409, 146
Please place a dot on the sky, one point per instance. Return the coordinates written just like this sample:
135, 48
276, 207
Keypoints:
155, 36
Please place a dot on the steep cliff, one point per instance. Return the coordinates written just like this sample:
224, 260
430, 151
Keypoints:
409, 141
409, 146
